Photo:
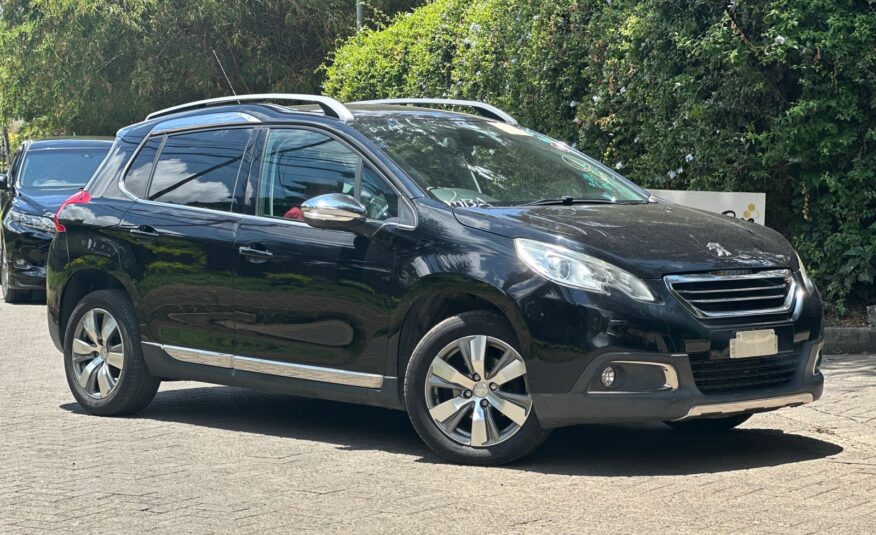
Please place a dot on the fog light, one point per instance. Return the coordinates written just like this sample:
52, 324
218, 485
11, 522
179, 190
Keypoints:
608, 377
20, 263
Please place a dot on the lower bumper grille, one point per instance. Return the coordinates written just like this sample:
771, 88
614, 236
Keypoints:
728, 375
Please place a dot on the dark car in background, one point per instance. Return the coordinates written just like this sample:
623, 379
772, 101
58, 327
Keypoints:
491, 281
42, 174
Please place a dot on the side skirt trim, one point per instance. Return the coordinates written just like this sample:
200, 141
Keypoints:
271, 367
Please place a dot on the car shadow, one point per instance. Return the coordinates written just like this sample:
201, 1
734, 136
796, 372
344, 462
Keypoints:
594, 450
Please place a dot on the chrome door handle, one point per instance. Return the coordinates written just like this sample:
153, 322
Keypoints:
260, 254
144, 232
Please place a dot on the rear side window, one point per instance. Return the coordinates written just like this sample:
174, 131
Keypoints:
137, 179
199, 169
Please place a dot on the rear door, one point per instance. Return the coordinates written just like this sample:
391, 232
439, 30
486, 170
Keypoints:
311, 303
181, 233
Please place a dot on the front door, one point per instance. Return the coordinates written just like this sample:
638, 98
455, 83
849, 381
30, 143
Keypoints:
181, 234
313, 304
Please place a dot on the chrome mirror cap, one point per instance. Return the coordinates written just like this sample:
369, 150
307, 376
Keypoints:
332, 208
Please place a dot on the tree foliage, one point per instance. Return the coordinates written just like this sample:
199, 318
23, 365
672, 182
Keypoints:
92, 66
777, 96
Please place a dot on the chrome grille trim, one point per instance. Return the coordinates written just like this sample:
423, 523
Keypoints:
689, 298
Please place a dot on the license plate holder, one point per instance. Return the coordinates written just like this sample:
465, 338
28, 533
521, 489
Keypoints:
749, 344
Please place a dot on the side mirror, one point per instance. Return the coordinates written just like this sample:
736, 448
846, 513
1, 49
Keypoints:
335, 211
4, 182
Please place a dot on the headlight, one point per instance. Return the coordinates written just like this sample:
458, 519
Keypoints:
579, 270
41, 223
807, 280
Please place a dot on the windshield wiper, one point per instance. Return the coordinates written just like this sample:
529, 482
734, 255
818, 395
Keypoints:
567, 201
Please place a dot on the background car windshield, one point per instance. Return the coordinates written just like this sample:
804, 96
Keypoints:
474, 162
60, 168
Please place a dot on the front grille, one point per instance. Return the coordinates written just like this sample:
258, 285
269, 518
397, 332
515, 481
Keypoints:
726, 295
728, 375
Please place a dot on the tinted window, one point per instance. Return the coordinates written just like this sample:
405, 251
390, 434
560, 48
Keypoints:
301, 164
137, 179
59, 168
199, 169
469, 161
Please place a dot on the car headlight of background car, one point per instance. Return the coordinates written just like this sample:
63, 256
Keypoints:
578, 270
36, 222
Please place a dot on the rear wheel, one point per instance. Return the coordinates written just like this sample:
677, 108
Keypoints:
710, 425
10, 295
103, 358
467, 393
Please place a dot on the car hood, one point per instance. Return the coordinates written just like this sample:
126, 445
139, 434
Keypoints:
649, 240
42, 202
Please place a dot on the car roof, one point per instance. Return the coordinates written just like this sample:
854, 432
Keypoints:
228, 112
73, 142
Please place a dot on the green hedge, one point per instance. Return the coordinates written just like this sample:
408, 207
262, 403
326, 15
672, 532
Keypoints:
776, 96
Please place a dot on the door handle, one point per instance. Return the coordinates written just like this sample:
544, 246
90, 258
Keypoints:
258, 254
144, 231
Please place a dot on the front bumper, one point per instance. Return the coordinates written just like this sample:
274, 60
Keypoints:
25, 251
678, 398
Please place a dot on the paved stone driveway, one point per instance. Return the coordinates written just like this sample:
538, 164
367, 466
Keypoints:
216, 459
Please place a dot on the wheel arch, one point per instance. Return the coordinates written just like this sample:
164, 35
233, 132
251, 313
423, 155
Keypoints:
81, 283
439, 297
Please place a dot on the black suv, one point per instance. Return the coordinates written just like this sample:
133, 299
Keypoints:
43, 173
491, 281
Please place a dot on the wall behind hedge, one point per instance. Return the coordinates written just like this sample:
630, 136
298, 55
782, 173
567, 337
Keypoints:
771, 95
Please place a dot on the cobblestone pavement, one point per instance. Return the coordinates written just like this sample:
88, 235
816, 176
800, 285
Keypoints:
215, 459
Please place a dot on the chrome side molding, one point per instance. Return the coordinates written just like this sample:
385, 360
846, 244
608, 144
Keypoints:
271, 367
717, 409
310, 373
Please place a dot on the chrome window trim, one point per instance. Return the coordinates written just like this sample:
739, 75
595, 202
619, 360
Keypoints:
670, 376
330, 106
718, 409
786, 274
485, 109
271, 367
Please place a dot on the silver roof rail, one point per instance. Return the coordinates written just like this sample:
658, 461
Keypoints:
484, 109
330, 106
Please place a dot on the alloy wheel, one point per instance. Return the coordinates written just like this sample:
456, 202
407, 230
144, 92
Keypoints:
476, 391
98, 353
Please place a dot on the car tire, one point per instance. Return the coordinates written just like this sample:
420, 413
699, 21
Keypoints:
9, 295
710, 425
103, 358
492, 437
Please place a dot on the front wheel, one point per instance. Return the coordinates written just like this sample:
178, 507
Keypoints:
467, 394
9, 295
710, 425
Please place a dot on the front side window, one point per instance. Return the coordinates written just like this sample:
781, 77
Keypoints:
199, 169
301, 164
476, 162
60, 167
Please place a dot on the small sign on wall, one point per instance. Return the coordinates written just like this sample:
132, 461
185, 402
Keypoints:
748, 206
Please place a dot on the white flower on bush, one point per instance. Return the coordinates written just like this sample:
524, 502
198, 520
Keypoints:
596, 99
619, 165
671, 175
780, 39
689, 157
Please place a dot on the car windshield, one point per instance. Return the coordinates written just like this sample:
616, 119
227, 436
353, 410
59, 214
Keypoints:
474, 162
60, 168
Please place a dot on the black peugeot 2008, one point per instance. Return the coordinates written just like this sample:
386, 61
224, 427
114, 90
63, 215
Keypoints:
491, 281
42, 174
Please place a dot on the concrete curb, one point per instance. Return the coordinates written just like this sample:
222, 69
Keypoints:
849, 340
